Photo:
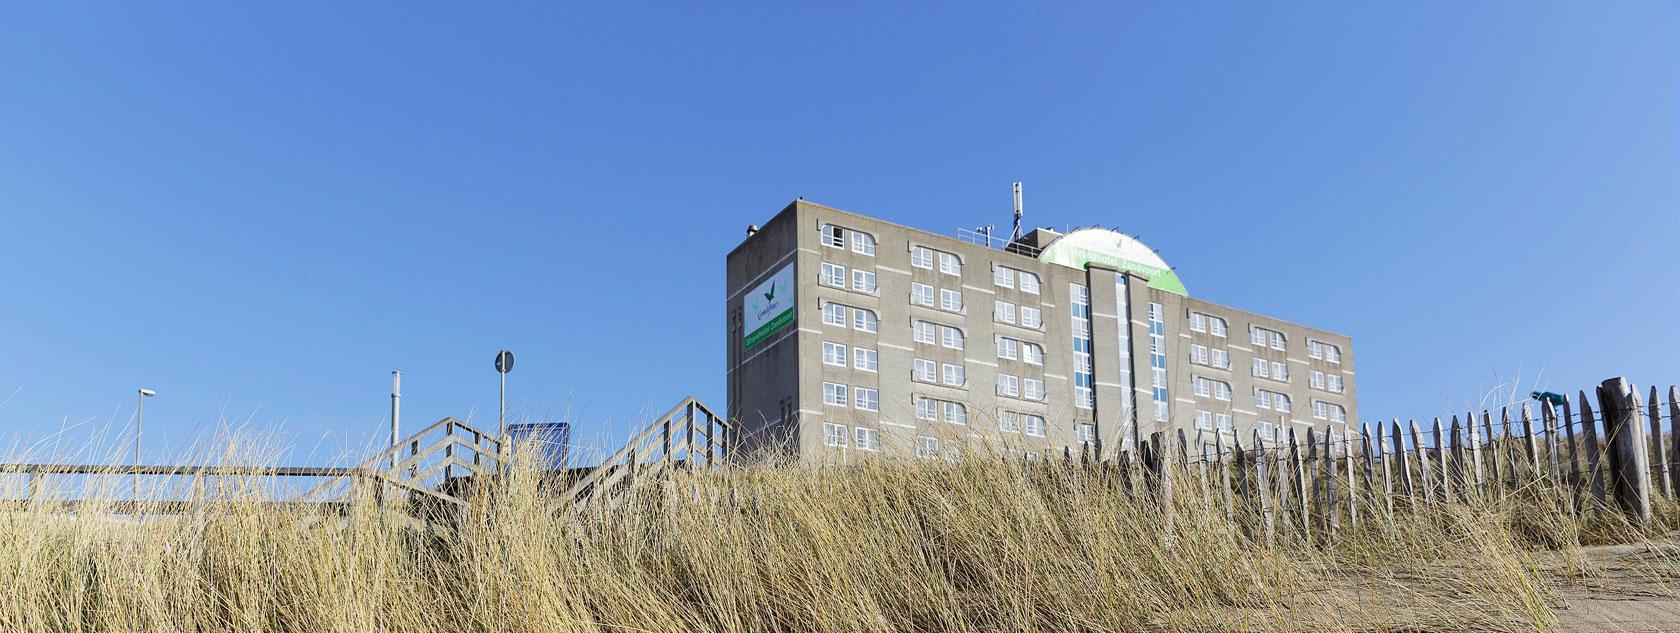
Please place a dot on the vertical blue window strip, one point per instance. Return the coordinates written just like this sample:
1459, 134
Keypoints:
1158, 360
1079, 303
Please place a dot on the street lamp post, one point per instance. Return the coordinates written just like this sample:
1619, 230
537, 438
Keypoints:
139, 423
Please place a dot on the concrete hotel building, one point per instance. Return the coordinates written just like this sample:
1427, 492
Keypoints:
848, 333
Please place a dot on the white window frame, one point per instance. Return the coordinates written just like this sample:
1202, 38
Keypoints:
1320, 410
834, 394
949, 263
1003, 277
1279, 341
1315, 349
921, 294
1336, 385
1008, 422
867, 439
955, 412
1262, 368
927, 447
950, 300
1258, 336
949, 335
1035, 425
834, 435
1199, 354
1204, 420
953, 375
1032, 389
1198, 322
921, 257
1032, 353
924, 370
1008, 348
834, 354
1003, 311
1332, 353
1280, 371
863, 280
927, 408
931, 330
1281, 402
863, 243
833, 275
832, 310
1221, 358
1022, 280
1009, 385
872, 324
1036, 321
833, 236
866, 359
866, 399
1217, 326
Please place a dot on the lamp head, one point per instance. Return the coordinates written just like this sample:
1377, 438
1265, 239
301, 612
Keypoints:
147, 393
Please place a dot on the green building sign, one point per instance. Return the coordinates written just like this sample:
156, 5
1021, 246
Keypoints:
768, 307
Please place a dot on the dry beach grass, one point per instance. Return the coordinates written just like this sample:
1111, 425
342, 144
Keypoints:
973, 545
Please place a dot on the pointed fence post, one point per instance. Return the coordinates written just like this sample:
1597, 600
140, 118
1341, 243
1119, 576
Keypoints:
1404, 464
1574, 461
1595, 459
1352, 487
1425, 480
1531, 456
1460, 474
1674, 431
1332, 497
1441, 454
1660, 464
1548, 414
1387, 475
1314, 481
1367, 458
1629, 466
1494, 481
1298, 486
1475, 437
1511, 461
1224, 474
1262, 486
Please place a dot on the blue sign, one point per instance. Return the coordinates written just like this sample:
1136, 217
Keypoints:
551, 439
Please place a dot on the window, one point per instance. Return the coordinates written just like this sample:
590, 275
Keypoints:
921, 294
1035, 425
1009, 422
1003, 311
1008, 348
926, 332
1216, 326
1277, 341
1338, 413
1221, 358
927, 409
863, 280
956, 413
1280, 371
1204, 420
1262, 368
1263, 398
834, 393
868, 439
1315, 349
866, 399
1085, 432
1264, 427
951, 337
865, 359
1008, 385
1224, 423
1079, 307
865, 320
1028, 282
1280, 402
1032, 353
1332, 353
834, 354
927, 447
1032, 388
949, 264
1201, 386
834, 314
950, 300
921, 257
1315, 379
834, 434
1198, 322
1321, 410
1003, 277
955, 375
1031, 318
832, 236
1336, 383
1199, 354
926, 370
1158, 361
1221, 390
863, 243
833, 275
1259, 338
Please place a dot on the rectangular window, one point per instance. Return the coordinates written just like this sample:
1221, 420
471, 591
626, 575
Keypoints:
1223, 422
1338, 413
1333, 354
1198, 322
950, 337
1216, 326
863, 243
1280, 402
927, 447
926, 332
1035, 425
1032, 353
1008, 385
864, 320
949, 264
1079, 300
955, 375
1201, 386
834, 434
921, 294
833, 275
1008, 348
1003, 311
1259, 338
1204, 420
1221, 358
1262, 369
1009, 422
1032, 389
1029, 282
865, 359
1265, 429
1199, 354
868, 439
1277, 341
834, 393
950, 300
921, 257
1280, 371
1031, 318
1085, 433
1221, 390
1335, 383
955, 413
833, 236
834, 314
926, 370
866, 399
1315, 349
927, 409
863, 280
1158, 361
834, 354
1315, 379
1320, 410
1263, 398
1003, 277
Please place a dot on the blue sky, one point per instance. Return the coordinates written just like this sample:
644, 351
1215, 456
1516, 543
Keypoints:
261, 211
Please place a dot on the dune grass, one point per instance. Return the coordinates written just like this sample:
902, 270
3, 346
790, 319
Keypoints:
974, 545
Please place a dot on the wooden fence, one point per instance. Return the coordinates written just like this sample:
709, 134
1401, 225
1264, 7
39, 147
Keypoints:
1611, 453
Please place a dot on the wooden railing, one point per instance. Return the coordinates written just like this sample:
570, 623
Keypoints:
690, 435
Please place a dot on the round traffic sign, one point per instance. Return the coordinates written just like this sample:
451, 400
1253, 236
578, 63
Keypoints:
504, 361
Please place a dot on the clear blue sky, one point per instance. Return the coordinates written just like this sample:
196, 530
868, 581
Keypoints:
261, 211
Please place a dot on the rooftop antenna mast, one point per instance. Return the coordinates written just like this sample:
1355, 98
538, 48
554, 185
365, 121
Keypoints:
1017, 233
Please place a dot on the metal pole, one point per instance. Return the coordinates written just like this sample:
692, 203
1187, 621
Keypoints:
139, 422
501, 415
396, 414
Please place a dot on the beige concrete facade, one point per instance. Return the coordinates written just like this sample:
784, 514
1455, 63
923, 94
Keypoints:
777, 386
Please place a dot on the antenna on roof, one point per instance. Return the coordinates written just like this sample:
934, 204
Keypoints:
1017, 234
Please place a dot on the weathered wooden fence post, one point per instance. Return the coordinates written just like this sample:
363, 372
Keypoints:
1630, 471
1262, 485
1387, 476
1353, 488
1441, 455
1315, 486
1574, 462
1332, 516
1224, 474
1660, 464
1298, 487
1425, 480
1460, 473
1493, 479
1510, 449
1674, 429
1531, 457
1595, 458
1404, 464
1549, 419
1475, 438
